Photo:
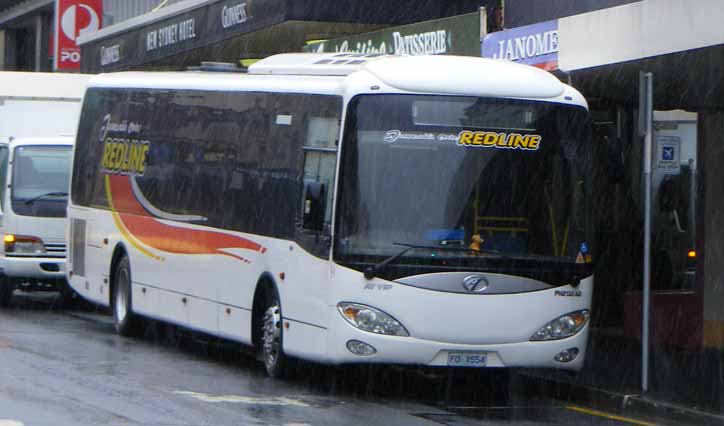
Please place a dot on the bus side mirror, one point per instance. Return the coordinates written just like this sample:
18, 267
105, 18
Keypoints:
314, 206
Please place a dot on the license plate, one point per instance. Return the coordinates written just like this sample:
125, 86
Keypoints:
466, 359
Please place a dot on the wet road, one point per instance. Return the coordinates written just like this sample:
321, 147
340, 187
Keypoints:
67, 367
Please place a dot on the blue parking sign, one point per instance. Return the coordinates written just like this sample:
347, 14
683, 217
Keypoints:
668, 153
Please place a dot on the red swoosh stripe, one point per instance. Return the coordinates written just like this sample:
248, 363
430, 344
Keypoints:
168, 238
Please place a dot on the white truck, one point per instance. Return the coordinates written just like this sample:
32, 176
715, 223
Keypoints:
38, 115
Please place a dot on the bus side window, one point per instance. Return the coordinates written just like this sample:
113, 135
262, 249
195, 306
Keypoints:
88, 186
320, 159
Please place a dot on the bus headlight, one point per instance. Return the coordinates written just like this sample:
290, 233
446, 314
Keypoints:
562, 327
370, 319
23, 244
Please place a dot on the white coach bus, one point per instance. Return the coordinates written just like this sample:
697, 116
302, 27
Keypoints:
342, 208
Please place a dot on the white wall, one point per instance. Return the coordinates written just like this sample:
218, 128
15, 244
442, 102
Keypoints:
638, 30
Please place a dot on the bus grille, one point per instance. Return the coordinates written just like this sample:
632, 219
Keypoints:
55, 249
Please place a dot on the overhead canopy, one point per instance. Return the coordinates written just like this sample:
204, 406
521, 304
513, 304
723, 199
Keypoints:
10, 10
227, 30
699, 88
604, 51
7, 4
456, 35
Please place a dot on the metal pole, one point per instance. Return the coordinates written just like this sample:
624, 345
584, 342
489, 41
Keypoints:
647, 86
483, 23
692, 204
39, 43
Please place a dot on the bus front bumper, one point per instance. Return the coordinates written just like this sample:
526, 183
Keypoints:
414, 351
38, 268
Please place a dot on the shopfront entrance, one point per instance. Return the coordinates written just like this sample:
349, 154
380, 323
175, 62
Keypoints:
685, 335
602, 53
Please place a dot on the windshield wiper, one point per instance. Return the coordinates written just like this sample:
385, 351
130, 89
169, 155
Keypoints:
47, 194
372, 271
447, 248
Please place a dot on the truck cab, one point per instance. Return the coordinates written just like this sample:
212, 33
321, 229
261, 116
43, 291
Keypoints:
34, 179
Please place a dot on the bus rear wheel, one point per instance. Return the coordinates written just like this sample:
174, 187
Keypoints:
125, 321
272, 351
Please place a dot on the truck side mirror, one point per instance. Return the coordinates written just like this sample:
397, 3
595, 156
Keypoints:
314, 206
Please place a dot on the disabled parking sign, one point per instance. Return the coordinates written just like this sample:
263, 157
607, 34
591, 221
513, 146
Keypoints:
668, 154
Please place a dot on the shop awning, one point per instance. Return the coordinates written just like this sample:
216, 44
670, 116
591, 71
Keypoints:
192, 31
456, 35
682, 43
602, 51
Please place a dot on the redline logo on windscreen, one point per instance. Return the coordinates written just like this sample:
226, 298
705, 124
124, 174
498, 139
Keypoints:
74, 18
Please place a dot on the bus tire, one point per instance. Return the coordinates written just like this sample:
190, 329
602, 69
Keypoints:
275, 361
7, 287
125, 320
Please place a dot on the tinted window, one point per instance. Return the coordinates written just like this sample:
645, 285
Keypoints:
228, 160
87, 187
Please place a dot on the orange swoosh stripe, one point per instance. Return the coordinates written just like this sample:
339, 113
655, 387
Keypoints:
168, 238
121, 227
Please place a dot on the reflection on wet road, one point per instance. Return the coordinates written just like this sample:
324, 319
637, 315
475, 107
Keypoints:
68, 367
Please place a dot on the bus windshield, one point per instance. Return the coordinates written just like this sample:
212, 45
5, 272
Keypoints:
495, 179
41, 176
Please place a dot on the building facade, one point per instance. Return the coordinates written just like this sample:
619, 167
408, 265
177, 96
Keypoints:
601, 47
27, 28
193, 31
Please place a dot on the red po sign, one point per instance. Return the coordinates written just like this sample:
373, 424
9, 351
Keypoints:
74, 18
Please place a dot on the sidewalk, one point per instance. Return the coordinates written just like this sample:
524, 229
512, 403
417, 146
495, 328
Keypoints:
684, 387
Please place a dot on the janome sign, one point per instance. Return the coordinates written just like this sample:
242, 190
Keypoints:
535, 44
74, 18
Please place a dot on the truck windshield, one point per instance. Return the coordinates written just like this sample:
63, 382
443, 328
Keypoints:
40, 180
508, 178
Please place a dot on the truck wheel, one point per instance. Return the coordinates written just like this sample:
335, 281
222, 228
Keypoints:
275, 362
7, 287
127, 324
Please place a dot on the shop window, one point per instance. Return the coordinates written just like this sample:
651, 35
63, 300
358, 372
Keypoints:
674, 201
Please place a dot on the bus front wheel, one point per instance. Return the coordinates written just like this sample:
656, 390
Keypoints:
275, 362
126, 322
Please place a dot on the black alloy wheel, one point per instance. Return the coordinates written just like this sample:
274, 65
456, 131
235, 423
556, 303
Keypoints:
126, 322
272, 334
